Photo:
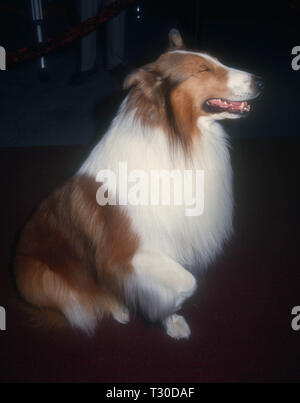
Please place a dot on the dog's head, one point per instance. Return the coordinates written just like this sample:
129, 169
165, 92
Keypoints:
186, 85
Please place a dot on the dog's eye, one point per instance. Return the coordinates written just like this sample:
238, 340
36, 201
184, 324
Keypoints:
204, 68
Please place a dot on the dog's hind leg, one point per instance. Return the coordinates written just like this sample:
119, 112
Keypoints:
43, 288
158, 286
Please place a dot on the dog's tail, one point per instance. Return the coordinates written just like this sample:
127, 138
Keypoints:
43, 318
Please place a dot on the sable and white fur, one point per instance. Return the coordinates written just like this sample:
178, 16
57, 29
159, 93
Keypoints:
166, 245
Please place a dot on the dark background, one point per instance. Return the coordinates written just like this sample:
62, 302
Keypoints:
241, 315
256, 37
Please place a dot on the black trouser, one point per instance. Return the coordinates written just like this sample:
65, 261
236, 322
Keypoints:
114, 36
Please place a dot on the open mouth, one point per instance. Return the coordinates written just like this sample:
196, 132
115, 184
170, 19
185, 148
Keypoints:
218, 105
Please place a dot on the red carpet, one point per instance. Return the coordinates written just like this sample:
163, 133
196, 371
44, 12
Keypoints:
240, 317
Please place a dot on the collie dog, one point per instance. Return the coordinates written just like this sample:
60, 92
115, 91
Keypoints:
82, 258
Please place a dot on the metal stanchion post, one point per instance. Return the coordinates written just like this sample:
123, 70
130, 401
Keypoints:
37, 17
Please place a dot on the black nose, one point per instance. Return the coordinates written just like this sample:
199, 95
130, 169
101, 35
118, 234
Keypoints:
258, 83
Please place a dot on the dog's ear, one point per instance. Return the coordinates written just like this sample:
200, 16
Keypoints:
132, 79
142, 77
175, 39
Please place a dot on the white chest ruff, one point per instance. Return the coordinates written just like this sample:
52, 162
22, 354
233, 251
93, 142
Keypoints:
167, 229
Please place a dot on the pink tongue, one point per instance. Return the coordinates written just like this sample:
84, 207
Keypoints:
231, 105
236, 103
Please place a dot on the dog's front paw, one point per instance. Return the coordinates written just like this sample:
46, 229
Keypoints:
121, 314
177, 327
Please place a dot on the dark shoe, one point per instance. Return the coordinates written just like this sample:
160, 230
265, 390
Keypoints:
77, 78
80, 77
44, 75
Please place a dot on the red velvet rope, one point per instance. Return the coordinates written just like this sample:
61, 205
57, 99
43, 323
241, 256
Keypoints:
42, 49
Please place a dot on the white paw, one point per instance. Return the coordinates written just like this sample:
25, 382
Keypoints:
177, 327
121, 314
